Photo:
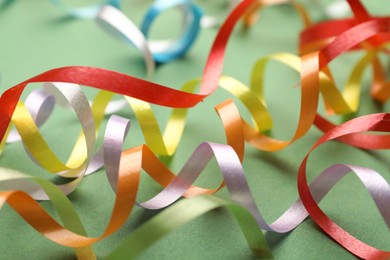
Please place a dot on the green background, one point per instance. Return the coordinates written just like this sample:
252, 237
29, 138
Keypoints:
35, 37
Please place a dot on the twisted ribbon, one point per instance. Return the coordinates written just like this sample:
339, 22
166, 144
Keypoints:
123, 169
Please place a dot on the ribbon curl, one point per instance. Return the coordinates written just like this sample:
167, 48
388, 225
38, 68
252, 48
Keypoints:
314, 73
117, 24
86, 12
147, 91
131, 161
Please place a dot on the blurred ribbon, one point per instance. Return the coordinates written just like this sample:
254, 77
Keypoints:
123, 168
165, 52
147, 91
117, 24
166, 145
336, 9
86, 12
310, 73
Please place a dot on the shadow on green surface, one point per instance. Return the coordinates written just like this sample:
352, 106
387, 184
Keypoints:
63, 19
283, 165
274, 239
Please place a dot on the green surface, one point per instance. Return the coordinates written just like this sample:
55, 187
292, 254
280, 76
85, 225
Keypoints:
35, 37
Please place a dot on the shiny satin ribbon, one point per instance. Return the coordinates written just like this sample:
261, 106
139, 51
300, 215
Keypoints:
117, 24
320, 33
153, 135
315, 37
81, 161
182, 182
140, 89
253, 99
295, 214
87, 12
174, 189
122, 188
177, 48
166, 143
40, 105
61, 203
329, 55
351, 130
90, 12
42, 153
208, 85
39, 150
251, 137
132, 160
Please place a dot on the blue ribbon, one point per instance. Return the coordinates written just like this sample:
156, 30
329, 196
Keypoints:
189, 35
175, 50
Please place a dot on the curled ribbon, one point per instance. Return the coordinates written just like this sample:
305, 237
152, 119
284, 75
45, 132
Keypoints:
124, 180
258, 140
176, 49
86, 12
313, 76
351, 129
118, 24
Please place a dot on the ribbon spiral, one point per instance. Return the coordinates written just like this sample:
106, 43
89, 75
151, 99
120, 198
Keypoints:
320, 44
